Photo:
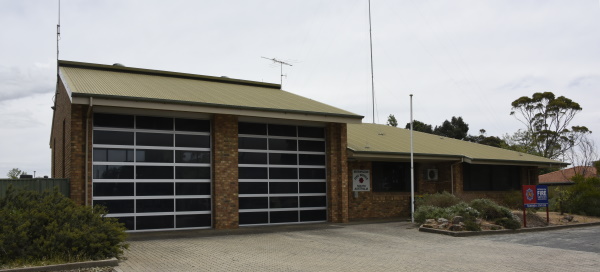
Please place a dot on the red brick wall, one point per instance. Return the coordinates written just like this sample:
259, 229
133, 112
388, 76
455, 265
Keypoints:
337, 172
375, 204
78, 151
225, 172
61, 134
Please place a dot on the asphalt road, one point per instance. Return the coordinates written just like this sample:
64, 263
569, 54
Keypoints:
579, 239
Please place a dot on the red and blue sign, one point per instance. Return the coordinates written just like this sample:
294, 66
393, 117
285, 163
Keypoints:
535, 196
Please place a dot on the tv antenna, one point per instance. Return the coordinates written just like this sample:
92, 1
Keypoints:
281, 64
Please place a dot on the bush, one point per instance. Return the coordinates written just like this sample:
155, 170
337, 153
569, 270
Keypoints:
471, 225
583, 197
426, 212
40, 227
508, 222
490, 210
462, 209
513, 200
442, 200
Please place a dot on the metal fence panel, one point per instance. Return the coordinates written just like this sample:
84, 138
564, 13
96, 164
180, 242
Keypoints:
39, 185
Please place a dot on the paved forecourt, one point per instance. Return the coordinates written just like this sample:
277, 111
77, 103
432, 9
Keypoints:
395, 246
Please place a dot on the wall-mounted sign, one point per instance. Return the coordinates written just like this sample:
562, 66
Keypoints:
535, 196
361, 180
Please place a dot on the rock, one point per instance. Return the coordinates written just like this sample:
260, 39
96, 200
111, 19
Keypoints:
456, 228
429, 226
478, 221
568, 217
457, 219
445, 225
442, 220
430, 221
462, 224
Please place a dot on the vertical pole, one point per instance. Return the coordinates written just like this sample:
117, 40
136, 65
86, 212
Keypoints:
371, 49
547, 215
524, 216
412, 167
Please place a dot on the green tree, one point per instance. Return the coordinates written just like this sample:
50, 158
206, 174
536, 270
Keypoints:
546, 119
485, 140
456, 128
392, 121
420, 126
15, 173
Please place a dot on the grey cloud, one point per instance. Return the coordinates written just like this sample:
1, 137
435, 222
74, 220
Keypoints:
17, 82
585, 81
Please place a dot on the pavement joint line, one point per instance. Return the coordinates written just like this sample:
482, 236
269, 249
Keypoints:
505, 231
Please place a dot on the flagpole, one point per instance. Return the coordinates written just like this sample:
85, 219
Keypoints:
412, 167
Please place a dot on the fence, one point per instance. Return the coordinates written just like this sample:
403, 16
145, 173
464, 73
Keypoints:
36, 184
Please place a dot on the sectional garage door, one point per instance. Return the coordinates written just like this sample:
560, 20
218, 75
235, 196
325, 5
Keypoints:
282, 174
153, 173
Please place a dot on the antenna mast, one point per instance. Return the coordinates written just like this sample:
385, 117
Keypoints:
58, 35
281, 63
371, 49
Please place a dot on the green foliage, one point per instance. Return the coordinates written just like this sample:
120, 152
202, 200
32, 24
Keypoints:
392, 121
461, 209
508, 222
426, 212
581, 198
420, 126
471, 225
48, 226
15, 173
456, 128
513, 200
546, 119
442, 200
489, 209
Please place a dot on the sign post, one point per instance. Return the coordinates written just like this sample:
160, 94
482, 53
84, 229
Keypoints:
535, 196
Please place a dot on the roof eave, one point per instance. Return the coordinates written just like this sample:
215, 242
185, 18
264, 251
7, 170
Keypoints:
349, 118
426, 156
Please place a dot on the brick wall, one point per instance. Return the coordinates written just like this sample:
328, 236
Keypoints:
225, 172
337, 172
375, 204
78, 151
61, 134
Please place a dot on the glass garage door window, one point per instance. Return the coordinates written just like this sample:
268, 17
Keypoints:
282, 178
153, 173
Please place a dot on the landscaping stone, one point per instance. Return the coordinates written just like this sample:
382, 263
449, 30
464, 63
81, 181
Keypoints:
430, 221
442, 220
457, 219
456, 228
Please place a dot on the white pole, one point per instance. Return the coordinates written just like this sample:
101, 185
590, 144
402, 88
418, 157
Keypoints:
412, 167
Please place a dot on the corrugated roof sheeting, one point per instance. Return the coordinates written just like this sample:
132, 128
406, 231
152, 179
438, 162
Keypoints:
374, 138
104, 82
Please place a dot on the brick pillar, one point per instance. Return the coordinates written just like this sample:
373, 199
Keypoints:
337, 173
225, 172
76, 162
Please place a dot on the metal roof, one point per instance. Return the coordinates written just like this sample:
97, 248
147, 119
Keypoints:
386, 142
126, 83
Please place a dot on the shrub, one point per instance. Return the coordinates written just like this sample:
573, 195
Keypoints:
37, 227
513, 200
471, 225
508, 222
490, 210
426, 212
464, 210
583, 197
442, 200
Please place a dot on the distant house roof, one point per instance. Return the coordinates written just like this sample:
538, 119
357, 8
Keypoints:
564, 176
381, 142
213, 94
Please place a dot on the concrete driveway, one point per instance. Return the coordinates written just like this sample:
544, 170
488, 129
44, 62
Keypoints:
395, 246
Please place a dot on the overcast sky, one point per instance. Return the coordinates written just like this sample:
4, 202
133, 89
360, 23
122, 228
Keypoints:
458, 58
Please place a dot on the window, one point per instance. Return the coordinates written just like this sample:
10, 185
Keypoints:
391, 177
491, 177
